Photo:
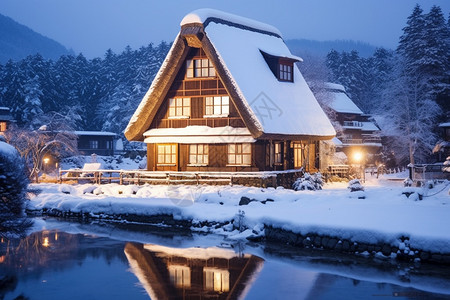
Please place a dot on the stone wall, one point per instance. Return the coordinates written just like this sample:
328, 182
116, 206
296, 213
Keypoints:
402, 251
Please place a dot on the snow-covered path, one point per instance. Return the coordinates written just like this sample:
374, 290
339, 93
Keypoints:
384, 216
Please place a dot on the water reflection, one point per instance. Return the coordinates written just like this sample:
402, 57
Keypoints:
203, 273
53, 264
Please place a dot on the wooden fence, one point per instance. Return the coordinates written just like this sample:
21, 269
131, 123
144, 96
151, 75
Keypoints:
261, 179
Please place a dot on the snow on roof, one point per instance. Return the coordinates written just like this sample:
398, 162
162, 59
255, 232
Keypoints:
447, 124
199, 135
335, 86
99, 133
337, 141
268, 106
342, 103
195, 252
279, 107
369, 126
206, 15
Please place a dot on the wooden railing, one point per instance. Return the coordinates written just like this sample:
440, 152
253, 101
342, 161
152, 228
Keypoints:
211, 122
363, 140
263, 179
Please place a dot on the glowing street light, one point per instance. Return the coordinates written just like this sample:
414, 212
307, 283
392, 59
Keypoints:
358, 157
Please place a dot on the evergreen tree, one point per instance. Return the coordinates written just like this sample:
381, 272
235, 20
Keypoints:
412, 42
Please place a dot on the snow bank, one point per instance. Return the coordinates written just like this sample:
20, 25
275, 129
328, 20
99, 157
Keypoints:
384, 216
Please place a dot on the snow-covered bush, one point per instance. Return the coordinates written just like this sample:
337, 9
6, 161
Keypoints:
355, 185
308, 182
408, 182
446, 167
13, 189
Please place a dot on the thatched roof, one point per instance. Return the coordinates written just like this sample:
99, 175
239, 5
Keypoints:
269, 108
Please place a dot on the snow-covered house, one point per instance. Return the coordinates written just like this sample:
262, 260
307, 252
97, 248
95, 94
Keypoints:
229, 97
359, 133
5, 119
98, 142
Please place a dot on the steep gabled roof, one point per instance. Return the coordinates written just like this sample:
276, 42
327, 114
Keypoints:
269, 108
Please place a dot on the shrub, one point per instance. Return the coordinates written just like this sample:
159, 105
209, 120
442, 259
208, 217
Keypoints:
308, 182
355, 185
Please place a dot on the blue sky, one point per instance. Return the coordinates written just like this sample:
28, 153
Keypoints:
93, 26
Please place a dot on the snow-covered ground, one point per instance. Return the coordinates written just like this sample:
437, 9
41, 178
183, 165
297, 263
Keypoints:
385, 215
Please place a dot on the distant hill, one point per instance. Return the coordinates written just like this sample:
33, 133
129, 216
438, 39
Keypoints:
17, 41
321, 48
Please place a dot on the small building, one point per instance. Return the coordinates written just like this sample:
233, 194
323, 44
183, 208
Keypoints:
359, 134
5, 119
97, 142
229, 97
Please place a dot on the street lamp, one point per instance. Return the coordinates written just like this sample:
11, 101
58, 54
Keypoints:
358, 157
46, 160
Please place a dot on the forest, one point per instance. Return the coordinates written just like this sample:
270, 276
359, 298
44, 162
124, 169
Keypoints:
406, 90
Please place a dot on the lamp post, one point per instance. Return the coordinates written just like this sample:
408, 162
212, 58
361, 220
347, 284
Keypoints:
46, 160
358, 157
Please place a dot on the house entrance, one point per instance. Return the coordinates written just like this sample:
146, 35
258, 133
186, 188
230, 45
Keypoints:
167, 157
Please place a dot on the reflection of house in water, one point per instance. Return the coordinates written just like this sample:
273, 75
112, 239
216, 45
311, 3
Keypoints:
192, 273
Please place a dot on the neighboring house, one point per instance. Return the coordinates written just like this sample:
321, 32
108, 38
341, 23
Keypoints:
359, 134
229, 97
5, 119
97, 142
442, 148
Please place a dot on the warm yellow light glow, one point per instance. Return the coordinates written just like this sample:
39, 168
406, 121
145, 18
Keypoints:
56, 236
46, 160
45, 243
357, 156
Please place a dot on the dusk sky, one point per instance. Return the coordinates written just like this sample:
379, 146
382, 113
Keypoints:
93, 26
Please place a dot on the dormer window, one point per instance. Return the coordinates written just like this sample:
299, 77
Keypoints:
199, 68
281, 67
285, 72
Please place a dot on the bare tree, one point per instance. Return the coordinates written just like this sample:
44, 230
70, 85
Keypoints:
54, 136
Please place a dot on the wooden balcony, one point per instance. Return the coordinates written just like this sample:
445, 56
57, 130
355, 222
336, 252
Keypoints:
211, 122
364, 140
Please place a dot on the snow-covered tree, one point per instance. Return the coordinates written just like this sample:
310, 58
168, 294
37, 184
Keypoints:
13, 187
52, 135
407, 115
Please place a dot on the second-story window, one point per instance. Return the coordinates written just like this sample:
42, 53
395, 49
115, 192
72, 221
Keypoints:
199, 68
179, 107
217, 106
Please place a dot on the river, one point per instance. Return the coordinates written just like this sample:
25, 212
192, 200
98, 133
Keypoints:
68, 260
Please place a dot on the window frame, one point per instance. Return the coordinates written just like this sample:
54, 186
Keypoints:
285, 71
172, 154
177, 108
278, 153
93, 144
199, 68
217, 106
239, 155
203, 154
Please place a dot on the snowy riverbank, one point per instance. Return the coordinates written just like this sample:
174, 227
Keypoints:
385, 216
